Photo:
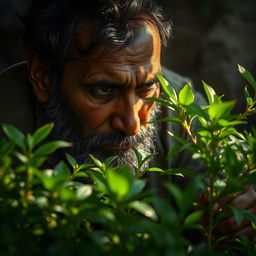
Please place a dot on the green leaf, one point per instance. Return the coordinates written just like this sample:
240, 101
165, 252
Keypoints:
209, 92
220, 110
163, 102
96, 161
165, 210
147, 158
6, 147
118, 183
41, 133
248, 97
109, 160
180, 139
84, 166
197, 110
168, 89
144, 209
84, 191
79, 175
71, 160
186, 96
248, 76
51, 147
15, 135
177, 148
226, 123
100, 182
238, 214
180, 172
167, 119
30, 141
21, 157
138, 156
192, 219
61, 169
136, 188
154, 169
176, 192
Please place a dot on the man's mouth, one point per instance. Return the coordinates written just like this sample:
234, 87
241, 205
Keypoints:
117, 147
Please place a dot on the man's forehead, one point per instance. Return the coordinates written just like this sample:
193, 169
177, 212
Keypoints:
142, 30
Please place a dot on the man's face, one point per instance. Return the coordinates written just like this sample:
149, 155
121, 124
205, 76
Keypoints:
107, 91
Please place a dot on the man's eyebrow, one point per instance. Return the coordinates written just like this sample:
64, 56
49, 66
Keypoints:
150, 82
104, 83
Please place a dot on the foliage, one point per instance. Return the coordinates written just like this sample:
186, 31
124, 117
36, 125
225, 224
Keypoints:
98, 209
228, 155
49, 212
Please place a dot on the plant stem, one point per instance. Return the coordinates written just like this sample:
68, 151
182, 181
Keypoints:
210, 210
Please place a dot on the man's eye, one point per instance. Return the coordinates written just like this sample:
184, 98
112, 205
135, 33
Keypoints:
101, 92
101, 95
147, 90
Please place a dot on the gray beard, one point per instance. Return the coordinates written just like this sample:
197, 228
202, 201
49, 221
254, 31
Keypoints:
66, 128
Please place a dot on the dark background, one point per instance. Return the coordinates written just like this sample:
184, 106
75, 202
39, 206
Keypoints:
210, 37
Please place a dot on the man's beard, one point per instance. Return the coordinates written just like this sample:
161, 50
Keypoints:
66, 128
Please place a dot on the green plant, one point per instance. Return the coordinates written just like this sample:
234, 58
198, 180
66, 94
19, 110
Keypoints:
49, 212
229, 156
53, 211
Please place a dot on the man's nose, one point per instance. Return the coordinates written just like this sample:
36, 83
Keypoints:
126, 117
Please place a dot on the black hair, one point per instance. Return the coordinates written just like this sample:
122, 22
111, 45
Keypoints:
50, 25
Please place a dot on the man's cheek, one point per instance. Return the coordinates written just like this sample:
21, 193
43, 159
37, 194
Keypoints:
146, 111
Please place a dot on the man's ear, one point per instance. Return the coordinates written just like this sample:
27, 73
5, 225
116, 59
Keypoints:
39, 77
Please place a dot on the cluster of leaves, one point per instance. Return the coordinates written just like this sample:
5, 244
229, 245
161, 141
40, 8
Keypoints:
228, 155
99, 209
52, 212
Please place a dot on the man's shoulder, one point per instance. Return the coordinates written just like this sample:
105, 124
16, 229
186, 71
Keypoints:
16, 97
175, 79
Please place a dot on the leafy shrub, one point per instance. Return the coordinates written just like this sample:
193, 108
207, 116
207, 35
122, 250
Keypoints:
49, 211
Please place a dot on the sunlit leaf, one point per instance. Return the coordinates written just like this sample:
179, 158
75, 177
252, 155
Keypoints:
226, 123
118, 183
186, 96
248, 97
51, 147
84, 191
248, 76
163, 102
220, 110
155, 169
96, 161
168, 89
209, 92
144, 209
167, 119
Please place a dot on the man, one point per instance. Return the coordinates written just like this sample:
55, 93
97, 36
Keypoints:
91, 75
91, 65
